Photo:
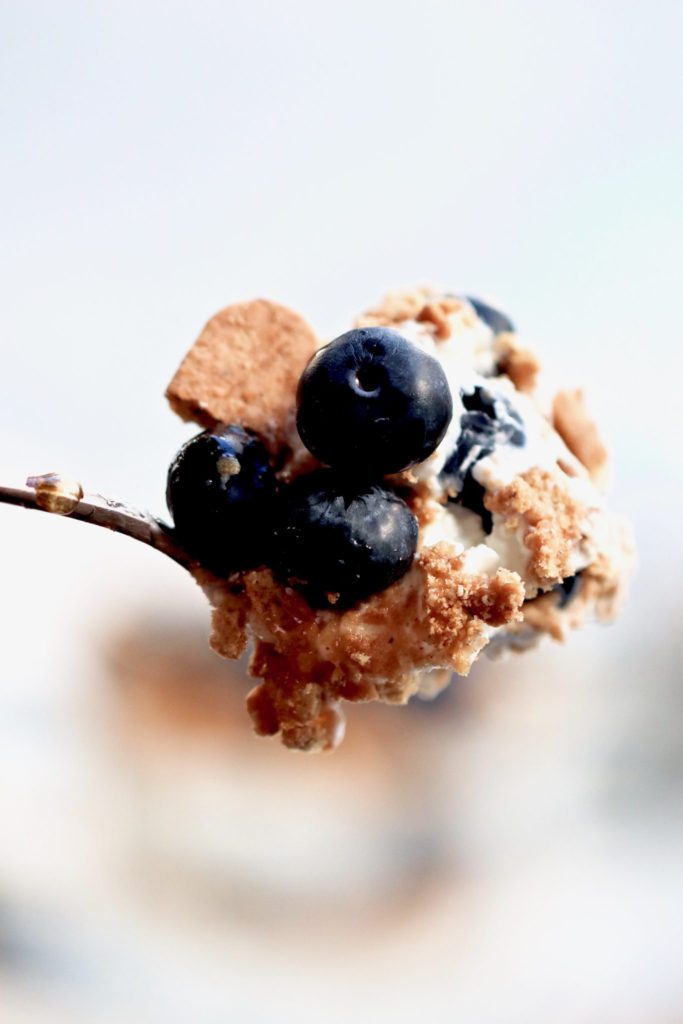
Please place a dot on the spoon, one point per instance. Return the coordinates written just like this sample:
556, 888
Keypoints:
61, 495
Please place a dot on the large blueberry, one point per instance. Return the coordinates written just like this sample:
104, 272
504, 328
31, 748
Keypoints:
497, 321
489, 421
373, 403
220, 493
339, 541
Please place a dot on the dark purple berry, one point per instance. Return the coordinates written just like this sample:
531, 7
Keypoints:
340, 541
497, 321
489, 421
221, 494
568, 589
373, 403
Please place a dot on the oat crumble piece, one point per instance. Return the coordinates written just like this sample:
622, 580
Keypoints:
517, 363
244, 368
552, 519
394, 308
578, 431
437, 313
435, 617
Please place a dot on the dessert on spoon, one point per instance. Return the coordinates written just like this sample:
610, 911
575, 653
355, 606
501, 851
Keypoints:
373, 512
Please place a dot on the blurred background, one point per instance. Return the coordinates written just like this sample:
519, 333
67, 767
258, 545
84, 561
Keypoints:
511, 853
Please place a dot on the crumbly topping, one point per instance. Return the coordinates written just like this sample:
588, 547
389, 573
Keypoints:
568, 468
460, 605
543, 614
578, 431
601, 593
418, 495
420, 304
437, 616
604, 583
517, 363
437, 313
301, 712
229, 636
395, 307
244, 368
552, 520
410, 637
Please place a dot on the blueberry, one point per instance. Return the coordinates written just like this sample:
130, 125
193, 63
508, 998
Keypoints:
489, 421
373, 403
471, 496
220, 493
568, 589
339, 541
497, 321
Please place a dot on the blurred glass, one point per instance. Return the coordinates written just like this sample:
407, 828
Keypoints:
244, 826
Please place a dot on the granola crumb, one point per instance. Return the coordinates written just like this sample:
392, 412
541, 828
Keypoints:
244, 368
437, 312
578, 431
517, 363
601, 594
229, 636
436, 617
544, 616
552, 518
394, 308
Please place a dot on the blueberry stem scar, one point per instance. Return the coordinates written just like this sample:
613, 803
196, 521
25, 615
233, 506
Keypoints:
114, 515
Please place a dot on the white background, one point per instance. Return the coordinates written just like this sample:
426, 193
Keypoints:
160, 160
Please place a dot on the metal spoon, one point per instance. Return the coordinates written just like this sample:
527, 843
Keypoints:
61, 495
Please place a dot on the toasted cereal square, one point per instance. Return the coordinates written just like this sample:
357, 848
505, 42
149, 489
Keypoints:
244, 368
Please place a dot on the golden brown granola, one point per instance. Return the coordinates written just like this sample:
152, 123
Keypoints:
394, 308
437, 312
517, 363
244, 368
578, 431
437, 616
420, 304
418, 496
543, 614
551, 519
600, 592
